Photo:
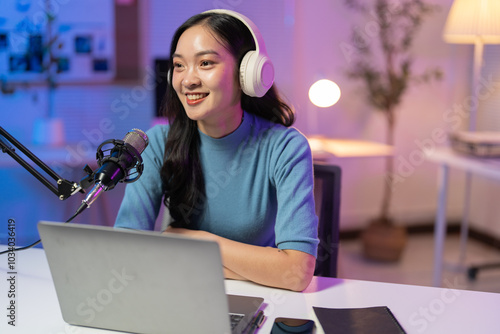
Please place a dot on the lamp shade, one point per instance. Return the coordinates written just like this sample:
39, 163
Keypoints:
470, 20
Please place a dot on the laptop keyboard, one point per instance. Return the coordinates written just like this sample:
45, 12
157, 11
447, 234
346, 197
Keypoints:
235, 319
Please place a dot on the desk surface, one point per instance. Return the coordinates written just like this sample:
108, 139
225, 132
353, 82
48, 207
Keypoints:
324, 148
488, 167
418, 309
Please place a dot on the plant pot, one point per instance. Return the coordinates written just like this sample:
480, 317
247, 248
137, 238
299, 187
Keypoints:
384, 241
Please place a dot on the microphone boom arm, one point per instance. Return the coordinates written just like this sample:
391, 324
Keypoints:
64, 188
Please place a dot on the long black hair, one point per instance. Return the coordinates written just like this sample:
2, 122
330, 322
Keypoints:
181, 173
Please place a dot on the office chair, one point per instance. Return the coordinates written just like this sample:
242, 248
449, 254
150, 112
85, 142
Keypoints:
327, 184
472, 271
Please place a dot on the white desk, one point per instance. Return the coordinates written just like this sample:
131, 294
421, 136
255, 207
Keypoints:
418, 309
447, 158
324, 148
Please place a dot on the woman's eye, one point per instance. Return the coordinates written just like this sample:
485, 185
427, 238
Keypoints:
177, 65
206, 63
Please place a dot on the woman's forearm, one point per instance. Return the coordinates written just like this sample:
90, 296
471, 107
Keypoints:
287, 269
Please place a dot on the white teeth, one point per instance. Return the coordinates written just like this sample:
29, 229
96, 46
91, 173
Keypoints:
195, 96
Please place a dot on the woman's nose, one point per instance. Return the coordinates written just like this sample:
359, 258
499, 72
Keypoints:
191, 78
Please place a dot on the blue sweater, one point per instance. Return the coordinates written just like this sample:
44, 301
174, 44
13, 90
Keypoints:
258, 187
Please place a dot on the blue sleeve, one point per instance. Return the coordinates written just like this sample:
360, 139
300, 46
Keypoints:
143, 198
296, 221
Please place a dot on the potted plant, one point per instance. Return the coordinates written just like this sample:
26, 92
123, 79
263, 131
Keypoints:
382, 61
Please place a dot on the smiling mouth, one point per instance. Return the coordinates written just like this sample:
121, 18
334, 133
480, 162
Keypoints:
192, 99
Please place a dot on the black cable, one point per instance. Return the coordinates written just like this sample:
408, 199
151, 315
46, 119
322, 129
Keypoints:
80, 209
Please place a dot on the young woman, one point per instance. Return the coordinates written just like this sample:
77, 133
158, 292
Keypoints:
228, 167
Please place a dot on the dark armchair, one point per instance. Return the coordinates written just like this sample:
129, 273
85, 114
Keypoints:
327, 183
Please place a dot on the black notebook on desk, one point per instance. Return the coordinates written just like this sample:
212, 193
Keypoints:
372, 320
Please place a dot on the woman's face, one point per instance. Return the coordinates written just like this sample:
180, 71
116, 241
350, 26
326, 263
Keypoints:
205, 81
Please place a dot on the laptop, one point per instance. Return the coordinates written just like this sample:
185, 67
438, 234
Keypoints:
141, 281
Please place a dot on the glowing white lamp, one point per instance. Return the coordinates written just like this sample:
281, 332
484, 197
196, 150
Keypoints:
324, 93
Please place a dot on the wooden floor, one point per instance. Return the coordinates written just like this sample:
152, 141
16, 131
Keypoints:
416, 265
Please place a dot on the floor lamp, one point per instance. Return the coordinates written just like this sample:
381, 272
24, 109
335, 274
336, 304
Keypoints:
474, 22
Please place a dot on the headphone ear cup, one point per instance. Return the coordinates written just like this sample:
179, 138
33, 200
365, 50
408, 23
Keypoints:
256, 74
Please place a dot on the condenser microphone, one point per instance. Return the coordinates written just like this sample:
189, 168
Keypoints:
122, 164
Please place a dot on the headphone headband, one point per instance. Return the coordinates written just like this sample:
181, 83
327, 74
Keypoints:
257, 37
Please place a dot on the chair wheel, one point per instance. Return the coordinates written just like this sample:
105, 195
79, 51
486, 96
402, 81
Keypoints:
472, 273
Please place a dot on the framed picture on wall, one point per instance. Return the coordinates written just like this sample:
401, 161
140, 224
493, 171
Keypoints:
18, 63
35, 62
83, 44
4, 41
63, 64
100, 65
35, 44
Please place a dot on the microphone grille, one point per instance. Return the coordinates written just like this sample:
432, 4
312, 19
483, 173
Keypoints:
137, 139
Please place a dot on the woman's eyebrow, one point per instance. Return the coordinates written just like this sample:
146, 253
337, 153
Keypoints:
198, 54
